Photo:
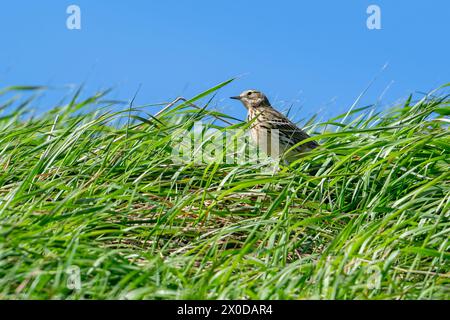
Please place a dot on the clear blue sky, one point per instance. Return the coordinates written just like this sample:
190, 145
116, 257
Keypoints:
318, 55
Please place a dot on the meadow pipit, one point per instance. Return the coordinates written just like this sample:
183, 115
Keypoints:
265, 120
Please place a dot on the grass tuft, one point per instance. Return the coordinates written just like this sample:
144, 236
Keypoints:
96, 193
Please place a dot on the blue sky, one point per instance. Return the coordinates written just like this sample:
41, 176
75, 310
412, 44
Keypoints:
316, 55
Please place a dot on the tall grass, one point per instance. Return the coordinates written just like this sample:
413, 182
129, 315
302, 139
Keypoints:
97, 191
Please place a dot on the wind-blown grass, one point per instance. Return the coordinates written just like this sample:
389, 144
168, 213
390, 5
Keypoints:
98, 191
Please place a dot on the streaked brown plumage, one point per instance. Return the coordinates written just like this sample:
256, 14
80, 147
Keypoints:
265, 118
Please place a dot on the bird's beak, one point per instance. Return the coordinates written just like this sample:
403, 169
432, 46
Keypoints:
236, 98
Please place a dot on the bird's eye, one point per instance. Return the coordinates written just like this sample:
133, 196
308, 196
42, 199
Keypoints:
249, 94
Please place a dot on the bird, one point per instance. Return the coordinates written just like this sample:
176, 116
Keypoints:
264, 119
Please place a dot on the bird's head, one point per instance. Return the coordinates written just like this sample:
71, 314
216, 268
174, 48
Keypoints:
252, 99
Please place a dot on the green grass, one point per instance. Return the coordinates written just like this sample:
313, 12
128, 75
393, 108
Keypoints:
97, 190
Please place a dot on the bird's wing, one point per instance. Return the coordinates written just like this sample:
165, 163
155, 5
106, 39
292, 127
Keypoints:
290, 130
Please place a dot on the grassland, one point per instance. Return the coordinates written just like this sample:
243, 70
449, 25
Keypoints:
90, 191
